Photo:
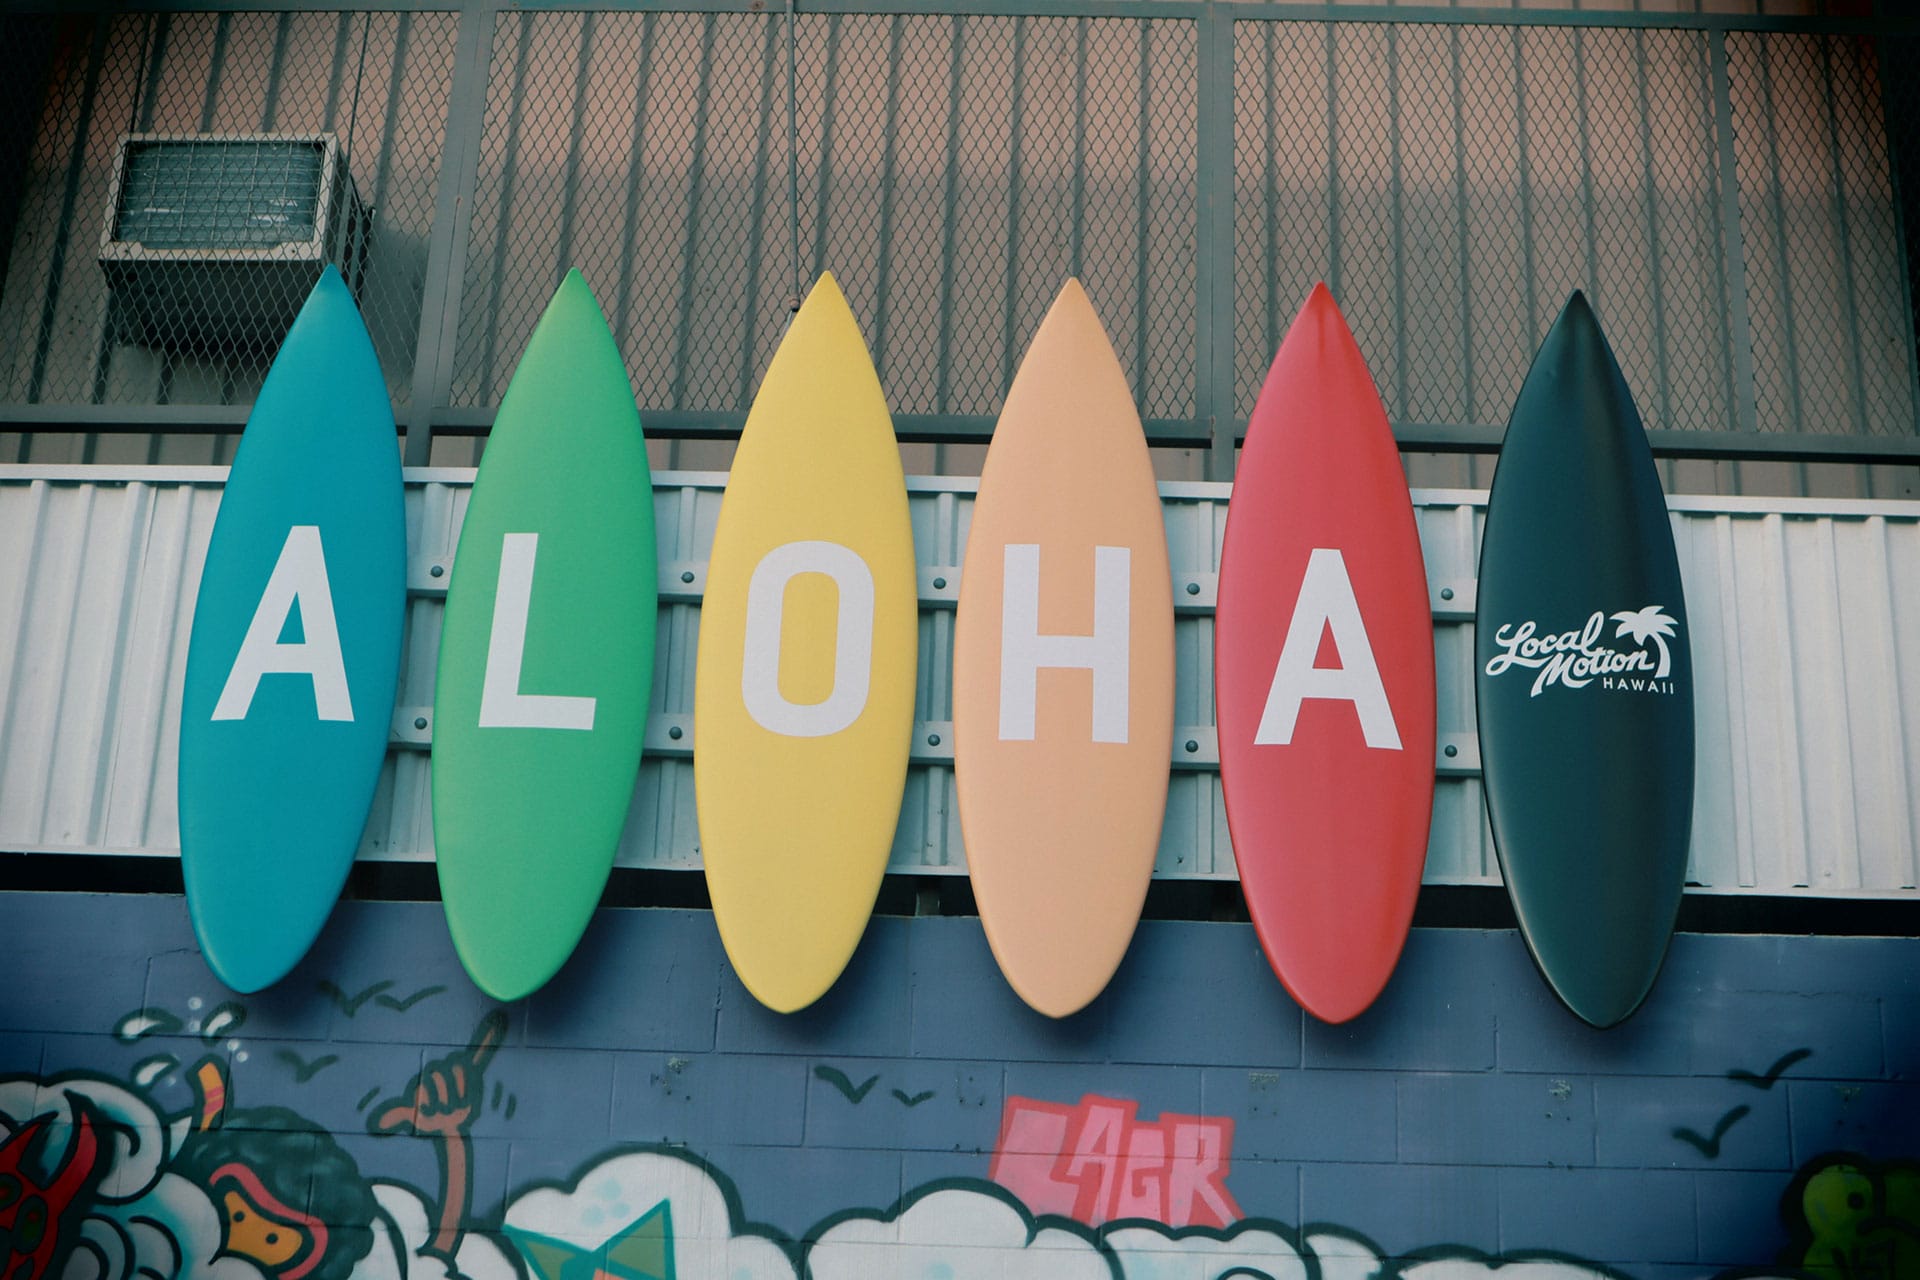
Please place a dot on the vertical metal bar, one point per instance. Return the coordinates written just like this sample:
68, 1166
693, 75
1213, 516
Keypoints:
1214, 280
884, 270
1395, 203
1739, 324
1334, 281
337, 73
1782, 266
1849, 303
823, 183
452, 223
1901, 229
793, 150
216, 75
276, 69
1712, 165
756, 225
509, 181
1076, 233
69, 201
109, 336
1650, 196
1010, 301
950, 181
1143, 214
576, 133
1270, 192
140, 76
390, 122
636, 167
216, 69
1529, 302
156, 59
359, 78
1465, 287
1586, 159
696, 193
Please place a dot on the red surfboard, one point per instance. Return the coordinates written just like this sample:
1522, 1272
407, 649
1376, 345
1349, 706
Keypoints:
1323, 674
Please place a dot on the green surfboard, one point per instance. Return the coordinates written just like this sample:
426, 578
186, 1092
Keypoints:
546, 656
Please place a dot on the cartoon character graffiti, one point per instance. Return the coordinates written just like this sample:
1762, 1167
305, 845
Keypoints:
98, 1182
235, 1193
1857, 1220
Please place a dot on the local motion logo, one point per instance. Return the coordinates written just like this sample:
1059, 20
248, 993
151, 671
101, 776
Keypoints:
1577, 658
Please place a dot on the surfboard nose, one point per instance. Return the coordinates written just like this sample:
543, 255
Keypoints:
1576, 347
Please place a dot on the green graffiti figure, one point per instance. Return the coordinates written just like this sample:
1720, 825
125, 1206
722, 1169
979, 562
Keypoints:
1862, 1221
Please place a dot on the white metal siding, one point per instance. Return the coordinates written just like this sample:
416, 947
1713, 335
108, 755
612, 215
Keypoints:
1805, 617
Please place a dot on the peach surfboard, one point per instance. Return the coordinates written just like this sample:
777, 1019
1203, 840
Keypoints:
809, 651
1063, 669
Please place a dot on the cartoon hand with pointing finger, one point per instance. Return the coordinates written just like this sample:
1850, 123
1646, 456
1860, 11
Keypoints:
441, 1103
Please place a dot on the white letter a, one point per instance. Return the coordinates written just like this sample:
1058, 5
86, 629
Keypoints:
299, 578
1326, 600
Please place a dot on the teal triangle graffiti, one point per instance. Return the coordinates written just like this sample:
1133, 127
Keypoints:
641, 1250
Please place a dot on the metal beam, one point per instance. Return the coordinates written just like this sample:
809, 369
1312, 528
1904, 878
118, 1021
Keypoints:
1213, 254
1236, 10
452, 224
962, 428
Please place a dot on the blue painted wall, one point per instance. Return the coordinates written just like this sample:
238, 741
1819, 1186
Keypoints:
1465, 1115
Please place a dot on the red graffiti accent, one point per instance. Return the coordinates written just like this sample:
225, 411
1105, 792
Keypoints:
36, 1222
1098, 1162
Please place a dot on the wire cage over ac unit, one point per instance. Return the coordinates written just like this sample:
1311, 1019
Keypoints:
212, 242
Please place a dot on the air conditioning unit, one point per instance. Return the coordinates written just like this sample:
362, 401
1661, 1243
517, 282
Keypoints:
213, 241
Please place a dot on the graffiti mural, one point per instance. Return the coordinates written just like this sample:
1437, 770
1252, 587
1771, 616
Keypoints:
120, 1189
1857, 1220
102, 1180
384, 1121
1097, 1162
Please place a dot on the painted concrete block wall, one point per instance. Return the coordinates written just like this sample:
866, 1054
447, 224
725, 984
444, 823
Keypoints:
642, 1117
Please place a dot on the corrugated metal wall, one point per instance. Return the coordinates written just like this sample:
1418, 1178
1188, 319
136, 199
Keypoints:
1728, 197
1808, 701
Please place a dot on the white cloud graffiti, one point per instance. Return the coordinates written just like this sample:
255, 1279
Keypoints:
619, 1193
954, 1234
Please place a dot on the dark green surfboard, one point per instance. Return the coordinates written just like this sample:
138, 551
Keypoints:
1583, 679
546, 656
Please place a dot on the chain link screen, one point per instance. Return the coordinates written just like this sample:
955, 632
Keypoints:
1730, 200
233, 116
952, 172
1453, 184
1832, 335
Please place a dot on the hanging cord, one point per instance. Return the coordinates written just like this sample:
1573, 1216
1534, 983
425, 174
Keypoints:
354, 246
793, 163
140, 82
359, 73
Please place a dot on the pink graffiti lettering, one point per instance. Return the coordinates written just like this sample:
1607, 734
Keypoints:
1099, 1162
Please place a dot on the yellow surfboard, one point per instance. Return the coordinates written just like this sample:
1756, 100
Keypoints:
803, 693
1063, 669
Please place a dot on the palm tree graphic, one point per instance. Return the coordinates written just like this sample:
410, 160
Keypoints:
1650, 623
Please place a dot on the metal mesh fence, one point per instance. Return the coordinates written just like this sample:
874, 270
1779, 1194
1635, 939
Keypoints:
952, 172
1731, 200
639, 148
1832, 336
158, 305
1452, 184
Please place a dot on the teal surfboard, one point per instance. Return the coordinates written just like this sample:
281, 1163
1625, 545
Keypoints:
546, 656
295, 650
